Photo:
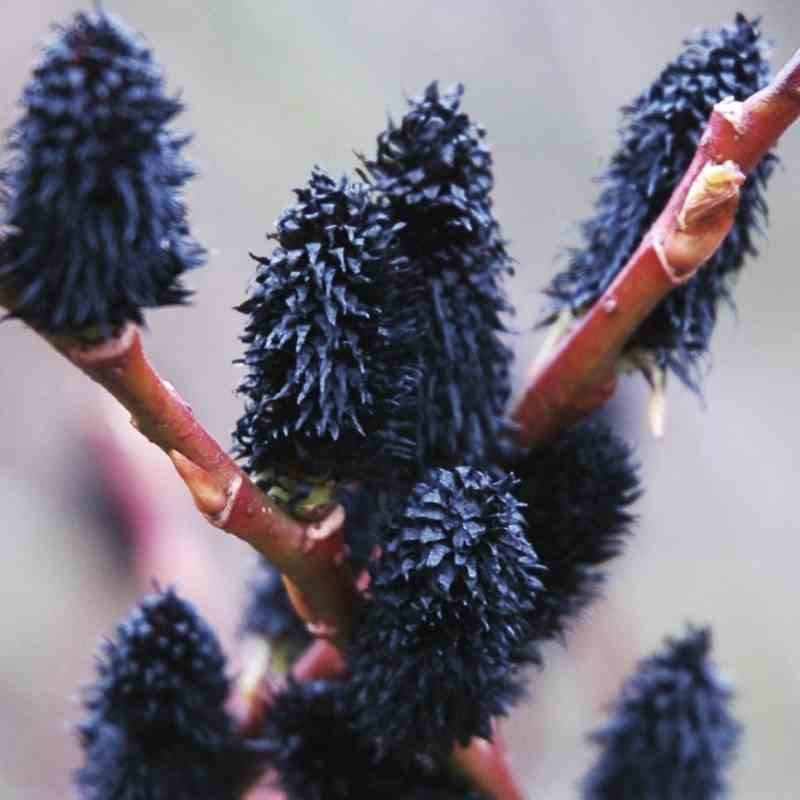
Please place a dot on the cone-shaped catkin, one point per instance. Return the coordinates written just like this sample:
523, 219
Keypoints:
330, 387
576, 492
438, 651
156, 727
672, 734
269, 613
660, 132
433, 172
317, 755
98, 225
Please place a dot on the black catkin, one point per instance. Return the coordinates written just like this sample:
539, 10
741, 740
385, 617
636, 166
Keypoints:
433, 172
156, 726
576, 492
330, 388
98, 225
438, 651
317, 755
660, 133
672, 734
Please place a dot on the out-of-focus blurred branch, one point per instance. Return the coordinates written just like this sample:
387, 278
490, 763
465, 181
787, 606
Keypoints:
580, 374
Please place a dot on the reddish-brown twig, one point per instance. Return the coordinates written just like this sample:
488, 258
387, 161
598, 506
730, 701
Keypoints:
255, 691
310, 555
155, 520
580, 375
577, 378
488, 767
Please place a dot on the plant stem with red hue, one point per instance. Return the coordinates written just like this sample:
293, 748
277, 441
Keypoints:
250, 705
310, 555
580, 376
488, 767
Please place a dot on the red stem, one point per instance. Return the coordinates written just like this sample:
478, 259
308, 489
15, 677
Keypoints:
488, 767
580, 376
310, 555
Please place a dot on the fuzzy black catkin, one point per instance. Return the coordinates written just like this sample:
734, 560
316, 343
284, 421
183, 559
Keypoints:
269, 613
672, 734
438, 652
330, 387
99, 227
433, 172
659, 134
156, 726
576, 492
317, 755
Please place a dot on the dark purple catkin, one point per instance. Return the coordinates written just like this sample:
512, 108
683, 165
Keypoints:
317, 755
99, 228
330, 388
576, 492
269, 613
672, 734
659, 135
156, 726
433, 173
438, 651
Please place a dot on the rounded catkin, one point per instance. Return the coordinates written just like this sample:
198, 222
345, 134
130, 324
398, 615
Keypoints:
672, 734
433, 173
330, 386
156, 726
317, 755
98, 227
438, 651
576, 492
659, 135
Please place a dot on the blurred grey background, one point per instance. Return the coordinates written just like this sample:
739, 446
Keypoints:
274, 87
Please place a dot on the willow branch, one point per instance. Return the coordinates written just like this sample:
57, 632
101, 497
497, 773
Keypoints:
580, 375
309, 554
255, 691
487, 766
484, 763
577, 378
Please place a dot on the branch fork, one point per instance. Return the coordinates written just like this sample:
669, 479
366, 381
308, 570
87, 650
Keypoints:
578, 376
308, 554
